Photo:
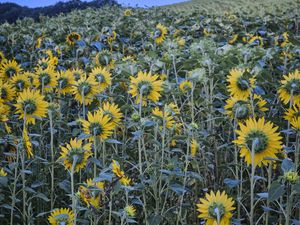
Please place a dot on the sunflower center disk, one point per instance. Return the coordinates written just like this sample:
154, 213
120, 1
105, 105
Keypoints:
10, 72
257, 140
241, 110
3, 93
29, 106
96, 129
293, 86
145, 87
243, 84
84, 88
100, 78
216, 210
44, 78
62, 219
62, 82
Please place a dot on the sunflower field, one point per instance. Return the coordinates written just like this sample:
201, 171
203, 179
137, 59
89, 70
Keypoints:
152, 116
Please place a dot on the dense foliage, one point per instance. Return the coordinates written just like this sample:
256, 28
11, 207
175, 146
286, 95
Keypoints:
147, 116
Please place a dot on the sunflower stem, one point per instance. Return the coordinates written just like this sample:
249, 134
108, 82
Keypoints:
297, 152
252, 184
83, 103
75, 158
23, 170
52, 159
269, 184
13, 201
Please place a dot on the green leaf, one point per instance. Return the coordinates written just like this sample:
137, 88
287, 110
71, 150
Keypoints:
287, 165
276, 191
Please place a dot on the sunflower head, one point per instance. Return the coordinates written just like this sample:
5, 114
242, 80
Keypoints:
62, 217
102, 77
84, 90
104, 58
291, 176
290, 88
72, 38
128, 12
112, 111
21, 81
45, 79
9, 68
65, 81
7, 91
256, 41
186, 86
216, 208
194, 147
160, 33
130, 211
2, 173
259, 137
238, 108
165, 119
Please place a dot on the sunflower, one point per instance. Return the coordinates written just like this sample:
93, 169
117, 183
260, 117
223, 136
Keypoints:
128, 12
7, 91
282, 40
172, 108
256, 41
261, 136
84, 90
76, 73
9, 68
295, 122
116, 169
45, 79
146, 85
27, 144
98, 184
102, 77
47, 63
112, 36
241, 83
130, 210
186, 86
165, 118
216, 208
4, 112
62, 216
2, 58
32, 104
20, 81
180, 41
104, 58
97, 124
290, 88
160, 33
292, 113
78, 149
112, 111
65, 81
2, 173
72, 38
194, 147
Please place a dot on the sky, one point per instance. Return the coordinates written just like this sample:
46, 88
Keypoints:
140, 3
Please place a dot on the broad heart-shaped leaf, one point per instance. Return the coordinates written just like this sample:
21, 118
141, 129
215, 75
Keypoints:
154, 219
297, 187
276, 191
287, 165
231, 183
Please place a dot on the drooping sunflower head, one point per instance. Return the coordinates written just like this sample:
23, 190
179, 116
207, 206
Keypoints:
62, 217
186, 86
112, 111
116, 169
20, 81
261, 137
160, 33
102, 77
76, 73
45, 79
98, 125
105, 58
72, 38
31, 104
241, 83
172, 108
194, 147
290, 88
46, 63
75, 153
7, 91
292, 113
9, 68
145, 87
256, 41
238, 108
165, 119
216, 207
233, 39
84, 90
65, 82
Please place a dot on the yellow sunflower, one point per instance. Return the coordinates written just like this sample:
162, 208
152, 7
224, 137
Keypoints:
233, 39
2, 58
295, 122
260, 136
27, 144
290, 88
7, 91
194, 147
241, 83
216, 209
9, 68
102, 77
75, 149
257, 41
172, 108
65, 82
165, 118
292, 113
84, 90
45, 79
2, 173
72, 38
98, 184
62, 216
4, 112
130, 210
46, 63
282, 40
76, 73
146, 85
112, 111
20, 82
32, 104
128, 12
186, 86
124, 180
97, 124
104, 58
160, 33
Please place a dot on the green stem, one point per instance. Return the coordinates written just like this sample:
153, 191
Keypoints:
52, 159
